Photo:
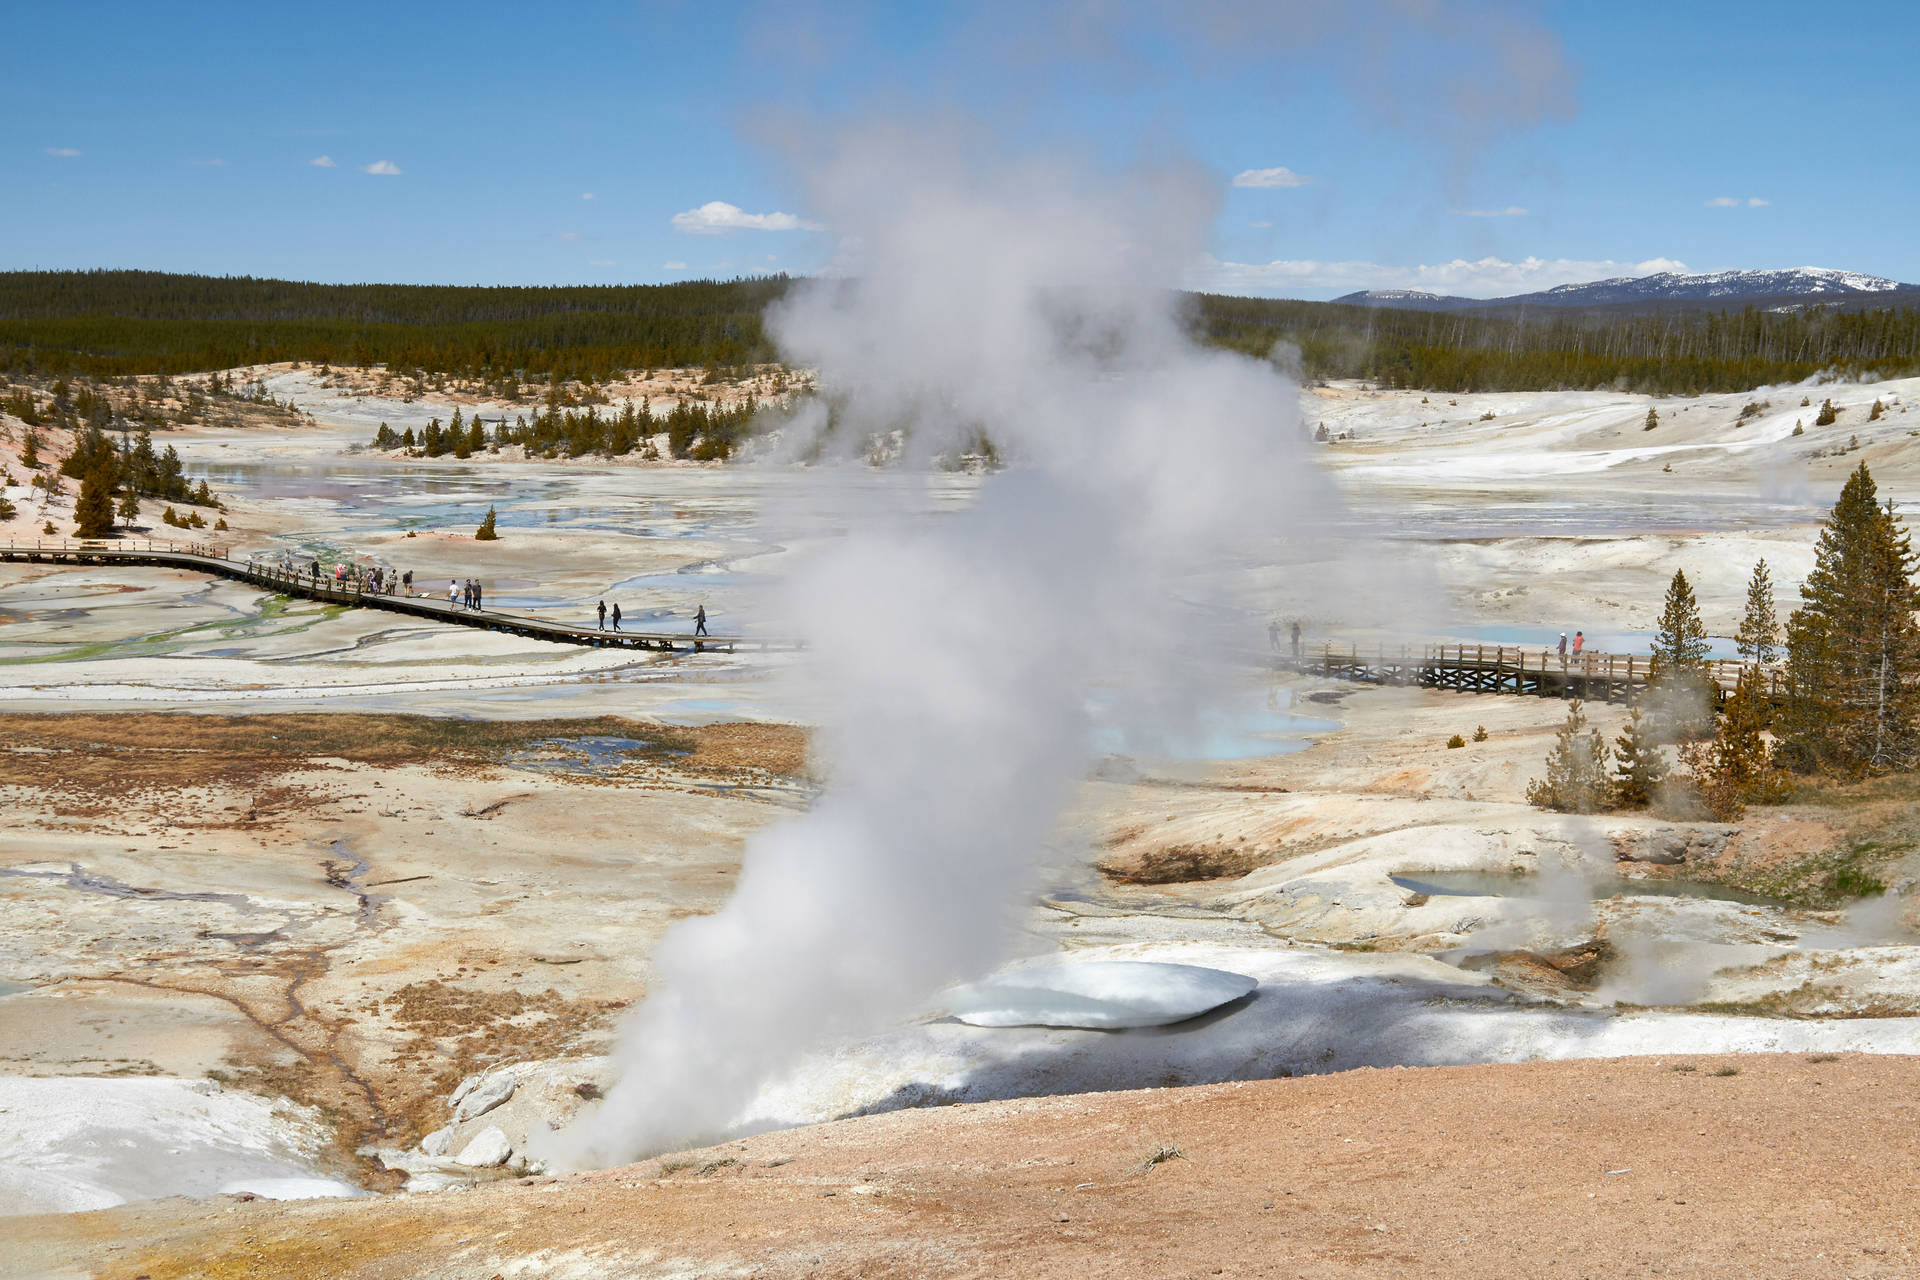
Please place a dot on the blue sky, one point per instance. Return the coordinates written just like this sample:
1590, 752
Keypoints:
497, 143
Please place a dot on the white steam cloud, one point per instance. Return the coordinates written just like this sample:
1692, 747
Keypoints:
959, 654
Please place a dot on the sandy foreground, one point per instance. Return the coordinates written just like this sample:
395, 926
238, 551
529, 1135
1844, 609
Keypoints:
1749, 1167
292, 937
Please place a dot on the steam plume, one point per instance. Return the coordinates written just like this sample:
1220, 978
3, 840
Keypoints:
1032, 299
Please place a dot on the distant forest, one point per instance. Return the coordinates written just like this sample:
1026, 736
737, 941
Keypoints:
104, 323
1673, 352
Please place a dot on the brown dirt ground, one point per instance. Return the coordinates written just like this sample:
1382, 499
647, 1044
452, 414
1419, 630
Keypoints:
1756, 1166
113, 753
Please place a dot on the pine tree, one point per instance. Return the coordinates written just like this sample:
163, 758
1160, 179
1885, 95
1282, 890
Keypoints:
1759, 627
1653, 418
1827, 416
1639, 767
1576, 780
93, 510
485, 532
1739, 762
1677, 678
30, 451
1853, 648
129, 509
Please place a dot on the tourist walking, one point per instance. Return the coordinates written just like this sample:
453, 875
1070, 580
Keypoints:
478, 593
616, 617
1579, 642
700, 621
1563, 649
603, 615
453, 594
1296, 639
406, 582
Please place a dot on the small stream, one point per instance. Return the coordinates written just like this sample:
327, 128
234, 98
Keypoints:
1523, 884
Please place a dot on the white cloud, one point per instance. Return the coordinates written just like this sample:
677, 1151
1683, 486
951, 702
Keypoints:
1755, 202
600, 262
1734, 202
673, 266
1485, 278
569, 235
1511, 211
322, 162
384, 168
1276, 177
718, 218
586, 195
65, 153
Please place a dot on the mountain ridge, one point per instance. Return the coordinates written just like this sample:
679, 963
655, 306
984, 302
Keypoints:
1813, 284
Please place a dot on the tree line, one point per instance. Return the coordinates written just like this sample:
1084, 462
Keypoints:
1670, 353
142, 322
693, 429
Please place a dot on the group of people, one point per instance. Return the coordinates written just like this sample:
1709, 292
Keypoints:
1579, 643
699, 618
1273, 636
464, 595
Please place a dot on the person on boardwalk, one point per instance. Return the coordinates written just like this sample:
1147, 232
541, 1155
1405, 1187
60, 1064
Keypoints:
616, 617
1579, 642
479, 596
406, 582
603, 615
1563, 649
700, 621
453, 594
1296, 639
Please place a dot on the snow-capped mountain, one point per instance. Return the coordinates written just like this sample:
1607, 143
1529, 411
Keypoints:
1813, 283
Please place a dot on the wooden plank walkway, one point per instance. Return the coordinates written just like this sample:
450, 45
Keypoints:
212, 559
1487, 668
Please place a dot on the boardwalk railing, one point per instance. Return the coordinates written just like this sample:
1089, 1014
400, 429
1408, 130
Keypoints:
213, 558
1488, 668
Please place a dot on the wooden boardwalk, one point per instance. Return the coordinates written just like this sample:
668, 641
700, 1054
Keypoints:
1488, 668
212, 559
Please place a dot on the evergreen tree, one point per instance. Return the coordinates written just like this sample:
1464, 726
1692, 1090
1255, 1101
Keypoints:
1853, 648
1739, 768
129, 509
1576, 780
407, 441
1639, 767
7, 510
30, 451
1677, 679
1653, 418
485, 532
1759, 627
93, 510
